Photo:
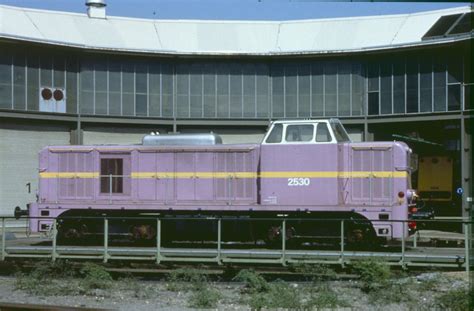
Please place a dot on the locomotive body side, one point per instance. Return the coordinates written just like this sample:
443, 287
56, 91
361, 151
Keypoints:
144, 178
370, 179
300, 172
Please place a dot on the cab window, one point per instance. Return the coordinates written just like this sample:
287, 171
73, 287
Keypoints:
299, 133
275, 135
322, 133
339, 132
111, 175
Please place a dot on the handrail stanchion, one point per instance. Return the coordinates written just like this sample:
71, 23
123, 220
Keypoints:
3, 238
110, 188
158, 241
467, 261
55, 240
415, 239
402, 261
342, 243
219, 240
106, 240
230, 191
283, 242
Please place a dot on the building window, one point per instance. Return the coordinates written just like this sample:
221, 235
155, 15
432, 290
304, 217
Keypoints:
111, 175
386, 89
399, 87
373, 103
412, 87
373, 89
454, 97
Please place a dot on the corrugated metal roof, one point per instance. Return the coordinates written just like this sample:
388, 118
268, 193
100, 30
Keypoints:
205, 37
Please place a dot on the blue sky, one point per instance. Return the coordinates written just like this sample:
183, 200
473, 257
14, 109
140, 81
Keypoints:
237, 9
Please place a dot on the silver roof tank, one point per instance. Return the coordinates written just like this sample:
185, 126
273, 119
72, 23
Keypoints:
182, 139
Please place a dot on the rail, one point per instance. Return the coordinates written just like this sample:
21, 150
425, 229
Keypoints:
406, 253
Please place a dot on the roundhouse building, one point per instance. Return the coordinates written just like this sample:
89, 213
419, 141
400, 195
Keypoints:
90, 78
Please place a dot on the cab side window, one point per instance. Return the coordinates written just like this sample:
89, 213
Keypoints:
111, 175
276, 134
299, 133
322, 133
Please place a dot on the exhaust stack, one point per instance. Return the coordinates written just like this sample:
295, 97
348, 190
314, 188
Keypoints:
96, 8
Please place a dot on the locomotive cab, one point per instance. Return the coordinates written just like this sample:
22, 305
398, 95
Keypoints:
313, 166
306, 132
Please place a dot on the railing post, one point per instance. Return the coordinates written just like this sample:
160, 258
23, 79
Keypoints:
230, 191
106, 240
467, 260
283, 243
219, 239
158, 241
415, 239
110, 188
55, 240
342, 243
402, 261
3, 238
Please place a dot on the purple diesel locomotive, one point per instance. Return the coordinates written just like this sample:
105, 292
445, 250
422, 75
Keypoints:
306, 169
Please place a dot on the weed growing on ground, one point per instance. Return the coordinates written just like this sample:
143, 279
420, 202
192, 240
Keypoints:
429, 285
258, 293
393, 293
185, 279
196, 281
454, 300
204, 297
315, 272
95, 277
139, 290
254, 282
280, 295
48, 279
323, 297
40, 280
378, 282
374, 274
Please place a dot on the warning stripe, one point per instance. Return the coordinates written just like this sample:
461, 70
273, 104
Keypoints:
220, 175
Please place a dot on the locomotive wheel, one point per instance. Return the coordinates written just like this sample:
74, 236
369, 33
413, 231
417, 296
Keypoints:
273, 237
72, 234
142, 232
361, 238
356, 236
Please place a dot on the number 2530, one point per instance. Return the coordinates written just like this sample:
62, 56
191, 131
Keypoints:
299, 181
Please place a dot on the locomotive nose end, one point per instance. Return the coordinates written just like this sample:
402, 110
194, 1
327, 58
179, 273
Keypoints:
19, 212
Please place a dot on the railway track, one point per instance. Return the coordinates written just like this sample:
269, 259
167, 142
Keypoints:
6, 306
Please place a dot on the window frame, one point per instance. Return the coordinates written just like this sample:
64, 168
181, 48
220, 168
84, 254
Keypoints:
312, 141
126, 171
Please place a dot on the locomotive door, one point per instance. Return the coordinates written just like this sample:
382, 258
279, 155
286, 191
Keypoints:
155, 172
193, 171
371, 183
165, 183
185, 176
77, 164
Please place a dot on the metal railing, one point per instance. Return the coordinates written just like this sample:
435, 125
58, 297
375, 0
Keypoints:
407, 251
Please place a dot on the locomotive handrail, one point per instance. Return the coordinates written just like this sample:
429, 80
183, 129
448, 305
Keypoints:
283, 256
236, 218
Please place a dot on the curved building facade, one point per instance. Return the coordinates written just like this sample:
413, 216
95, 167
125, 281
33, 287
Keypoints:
93, 79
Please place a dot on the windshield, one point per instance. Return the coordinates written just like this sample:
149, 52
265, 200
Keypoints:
339, 131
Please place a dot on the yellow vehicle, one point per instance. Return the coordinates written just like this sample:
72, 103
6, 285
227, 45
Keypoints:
435, 178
